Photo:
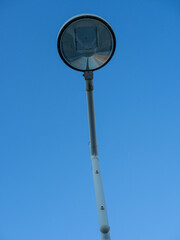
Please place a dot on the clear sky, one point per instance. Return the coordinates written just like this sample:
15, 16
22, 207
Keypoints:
46, 184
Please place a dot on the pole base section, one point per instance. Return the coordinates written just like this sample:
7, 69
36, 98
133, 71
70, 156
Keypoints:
105, 236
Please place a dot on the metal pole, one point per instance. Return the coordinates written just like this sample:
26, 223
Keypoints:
100, 199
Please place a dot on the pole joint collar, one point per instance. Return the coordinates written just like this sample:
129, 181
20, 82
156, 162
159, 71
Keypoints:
88, 75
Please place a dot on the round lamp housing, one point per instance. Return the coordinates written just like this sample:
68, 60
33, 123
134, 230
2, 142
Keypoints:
86, 42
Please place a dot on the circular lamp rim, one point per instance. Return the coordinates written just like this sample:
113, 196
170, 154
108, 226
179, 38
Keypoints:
78, 17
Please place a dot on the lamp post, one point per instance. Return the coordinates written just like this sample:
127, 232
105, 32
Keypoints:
86, 43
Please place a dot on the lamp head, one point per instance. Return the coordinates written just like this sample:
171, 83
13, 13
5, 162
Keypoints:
86, 42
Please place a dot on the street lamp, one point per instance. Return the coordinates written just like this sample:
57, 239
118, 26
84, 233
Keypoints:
86, 43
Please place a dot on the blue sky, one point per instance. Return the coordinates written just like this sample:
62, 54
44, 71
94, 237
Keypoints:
46, 185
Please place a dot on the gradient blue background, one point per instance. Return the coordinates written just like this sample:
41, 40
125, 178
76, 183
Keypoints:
46, 185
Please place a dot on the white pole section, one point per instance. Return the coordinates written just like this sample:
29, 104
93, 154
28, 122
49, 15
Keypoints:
99, 193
